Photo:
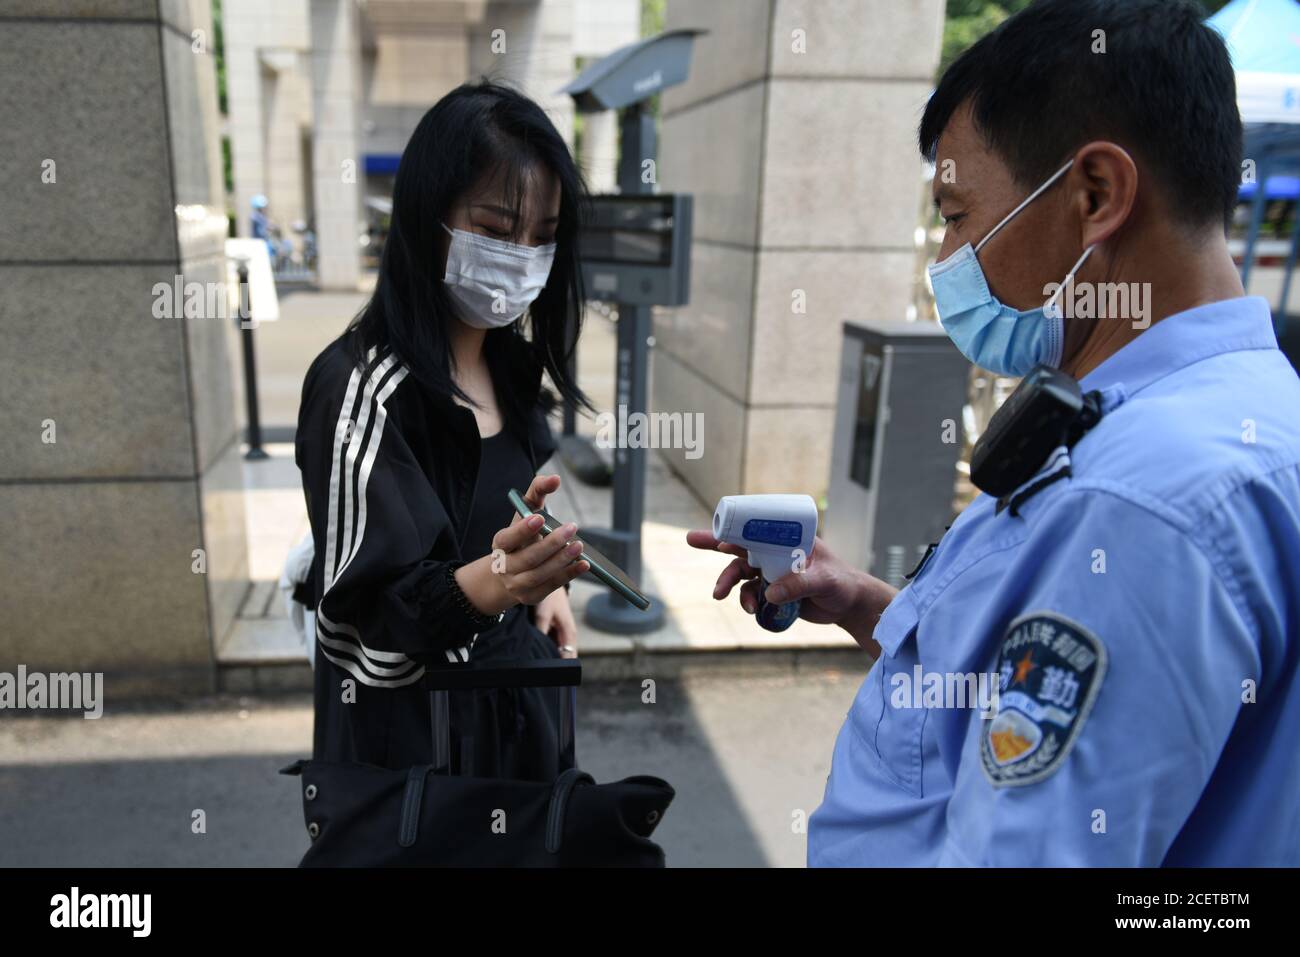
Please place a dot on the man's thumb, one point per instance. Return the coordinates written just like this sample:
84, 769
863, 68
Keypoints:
790, 587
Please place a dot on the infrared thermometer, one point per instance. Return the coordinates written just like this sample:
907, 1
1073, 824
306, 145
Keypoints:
778, 533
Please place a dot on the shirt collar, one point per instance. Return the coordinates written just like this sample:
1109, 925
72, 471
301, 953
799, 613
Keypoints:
1177, 341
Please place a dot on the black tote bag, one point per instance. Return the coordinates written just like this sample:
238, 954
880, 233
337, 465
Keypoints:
360, 815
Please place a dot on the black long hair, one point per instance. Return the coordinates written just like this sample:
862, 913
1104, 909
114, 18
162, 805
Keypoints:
475, 130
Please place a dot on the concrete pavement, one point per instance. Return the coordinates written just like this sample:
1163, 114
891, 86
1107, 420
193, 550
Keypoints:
747, 754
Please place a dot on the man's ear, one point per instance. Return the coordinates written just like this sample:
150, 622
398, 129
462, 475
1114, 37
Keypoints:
1103, 183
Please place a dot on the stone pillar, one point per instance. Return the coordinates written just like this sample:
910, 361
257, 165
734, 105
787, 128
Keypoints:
121, 484
244, 107
287, 90
600, 27
337, 165
406, 74
537, 56
599, 154
796, 134
268, 100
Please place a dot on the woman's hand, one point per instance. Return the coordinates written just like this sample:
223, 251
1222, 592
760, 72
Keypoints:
554, 618
523, 567
833, 592
532, 567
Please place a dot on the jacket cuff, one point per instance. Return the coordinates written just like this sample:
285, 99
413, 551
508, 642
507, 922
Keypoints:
424, 613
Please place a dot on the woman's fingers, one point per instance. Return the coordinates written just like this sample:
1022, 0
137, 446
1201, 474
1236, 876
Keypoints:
518, 535
537, 565
566, 639
566, 632
541, 486
560, 575
562, 628
538, 552
541, 564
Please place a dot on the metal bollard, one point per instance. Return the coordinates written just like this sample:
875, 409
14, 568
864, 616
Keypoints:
255, 451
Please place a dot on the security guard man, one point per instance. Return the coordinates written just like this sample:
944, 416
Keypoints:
1137, 601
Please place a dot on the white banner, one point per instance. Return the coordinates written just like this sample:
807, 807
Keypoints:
1269, 97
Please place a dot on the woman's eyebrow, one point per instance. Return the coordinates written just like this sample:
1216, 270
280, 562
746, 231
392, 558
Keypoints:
509, 213
498, 210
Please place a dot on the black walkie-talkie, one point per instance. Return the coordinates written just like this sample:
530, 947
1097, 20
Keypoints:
1047, 410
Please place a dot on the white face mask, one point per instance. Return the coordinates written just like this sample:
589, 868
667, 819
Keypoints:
492, 280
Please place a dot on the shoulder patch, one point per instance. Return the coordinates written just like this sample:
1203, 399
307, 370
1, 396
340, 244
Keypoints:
1050, 671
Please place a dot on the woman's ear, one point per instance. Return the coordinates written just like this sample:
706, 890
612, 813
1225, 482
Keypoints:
1104, 182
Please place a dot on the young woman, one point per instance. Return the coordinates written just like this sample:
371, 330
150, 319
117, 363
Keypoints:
415, 423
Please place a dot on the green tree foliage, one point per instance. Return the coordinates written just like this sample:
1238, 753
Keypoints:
219, 51
652, 17
968, 20
652, 24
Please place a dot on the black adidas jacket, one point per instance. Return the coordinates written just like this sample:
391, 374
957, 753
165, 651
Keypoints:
389, 471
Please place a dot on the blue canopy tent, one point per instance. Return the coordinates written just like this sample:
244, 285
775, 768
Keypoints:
1263, 38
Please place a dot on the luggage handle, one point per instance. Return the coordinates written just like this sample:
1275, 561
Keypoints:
563, 674
523, 673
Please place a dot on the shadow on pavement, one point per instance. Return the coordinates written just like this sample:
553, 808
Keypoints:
746, 755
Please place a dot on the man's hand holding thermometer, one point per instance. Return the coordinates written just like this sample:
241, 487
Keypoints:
787, 571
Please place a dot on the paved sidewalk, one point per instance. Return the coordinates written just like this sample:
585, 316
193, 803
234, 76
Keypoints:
747, 756
679, 575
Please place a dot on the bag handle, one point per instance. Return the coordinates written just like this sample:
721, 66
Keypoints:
408, 826
560, 792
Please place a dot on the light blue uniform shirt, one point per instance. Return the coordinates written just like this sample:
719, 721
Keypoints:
1141, 619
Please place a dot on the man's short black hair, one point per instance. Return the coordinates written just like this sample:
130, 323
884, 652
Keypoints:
1163, 89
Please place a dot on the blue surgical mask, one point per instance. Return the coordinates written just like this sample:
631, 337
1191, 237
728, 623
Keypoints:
994, 336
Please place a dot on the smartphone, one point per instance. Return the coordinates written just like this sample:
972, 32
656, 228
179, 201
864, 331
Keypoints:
601, 567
